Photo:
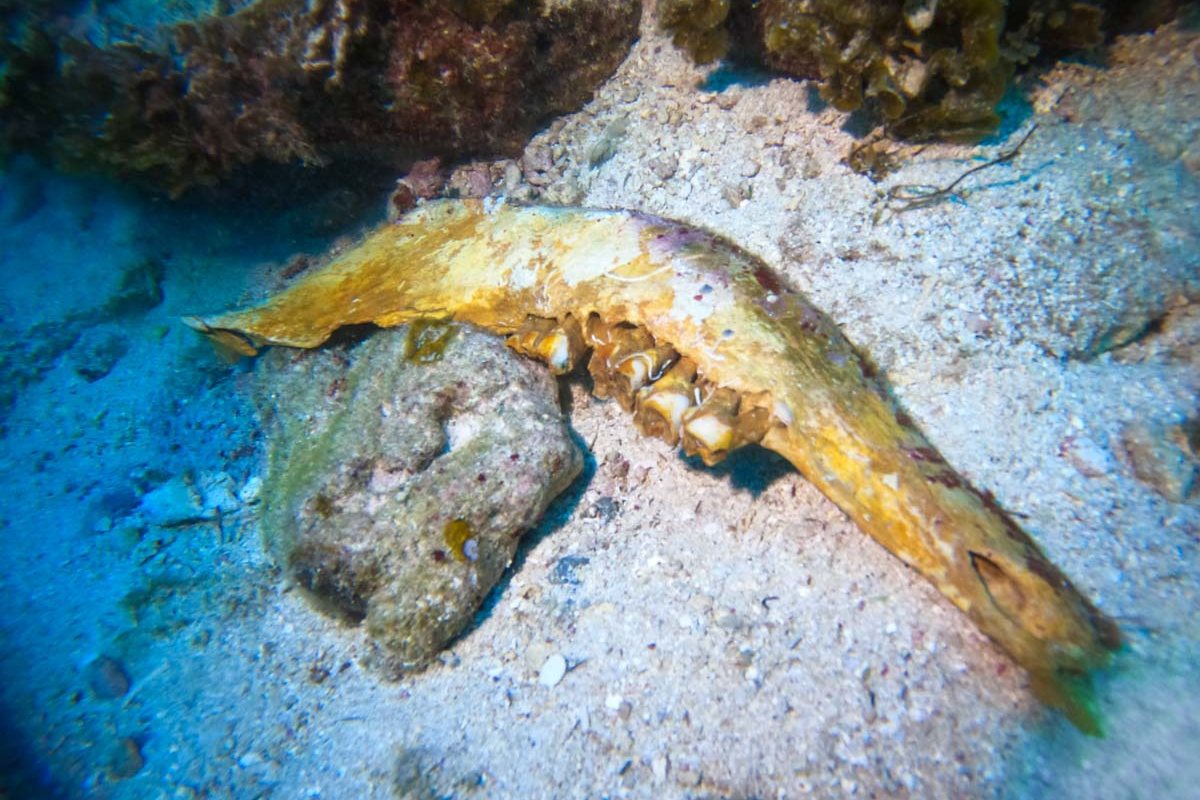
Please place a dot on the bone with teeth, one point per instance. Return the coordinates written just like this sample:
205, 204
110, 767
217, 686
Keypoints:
795, 372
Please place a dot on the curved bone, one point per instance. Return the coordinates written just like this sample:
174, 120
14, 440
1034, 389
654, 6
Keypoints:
494, 265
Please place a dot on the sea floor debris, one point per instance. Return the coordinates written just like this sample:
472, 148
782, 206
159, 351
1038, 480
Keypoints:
707, 347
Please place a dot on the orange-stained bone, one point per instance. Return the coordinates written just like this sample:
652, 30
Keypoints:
815, 401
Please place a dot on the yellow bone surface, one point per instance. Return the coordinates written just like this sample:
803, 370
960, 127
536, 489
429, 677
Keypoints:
726, 313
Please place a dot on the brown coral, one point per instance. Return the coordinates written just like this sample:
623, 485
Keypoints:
289, 81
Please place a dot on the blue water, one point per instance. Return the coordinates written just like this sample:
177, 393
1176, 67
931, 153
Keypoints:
82, 449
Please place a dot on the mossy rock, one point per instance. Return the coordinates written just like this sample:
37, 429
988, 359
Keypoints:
397, 487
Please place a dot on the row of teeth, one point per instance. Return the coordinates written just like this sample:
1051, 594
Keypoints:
661, 388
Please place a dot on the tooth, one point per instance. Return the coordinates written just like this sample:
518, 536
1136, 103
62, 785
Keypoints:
525, 339
612, 346
708, 430
559, 344
755, 417
563, 347
644, 367
751, 426
661, 405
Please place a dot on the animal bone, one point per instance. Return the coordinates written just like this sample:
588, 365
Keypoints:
643, 283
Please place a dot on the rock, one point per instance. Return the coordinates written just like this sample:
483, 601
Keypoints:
139, 290
565, 572
1163, 458
106, 677
1173, 338
471, 180
664, 166
605, 145
424, 181
604, 509
176, 502
126, 760
399, 501
218, 492
97, 352
251, 490
932, 70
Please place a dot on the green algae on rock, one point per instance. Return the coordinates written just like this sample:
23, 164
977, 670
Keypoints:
697, 26
397, 489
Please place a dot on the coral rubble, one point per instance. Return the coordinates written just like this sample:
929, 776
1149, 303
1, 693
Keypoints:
402, 473
291, 81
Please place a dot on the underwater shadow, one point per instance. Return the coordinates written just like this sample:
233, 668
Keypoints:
1015, 111
734, 74
749, 469
22, 771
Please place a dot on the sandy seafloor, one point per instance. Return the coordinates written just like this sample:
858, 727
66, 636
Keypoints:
730, 634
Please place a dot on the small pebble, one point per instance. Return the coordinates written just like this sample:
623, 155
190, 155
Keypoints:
512, 176
553, 670
613, 702
664, 166
251, 490
175, 502
565, 572
218, 492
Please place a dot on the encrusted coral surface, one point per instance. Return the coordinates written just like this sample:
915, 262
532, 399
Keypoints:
402, 473
933, 68
291, 81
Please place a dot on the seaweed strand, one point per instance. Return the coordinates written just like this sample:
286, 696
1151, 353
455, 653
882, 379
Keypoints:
916, 195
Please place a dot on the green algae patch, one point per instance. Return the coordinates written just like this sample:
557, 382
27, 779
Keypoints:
391, 498
426, 340
460, 539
